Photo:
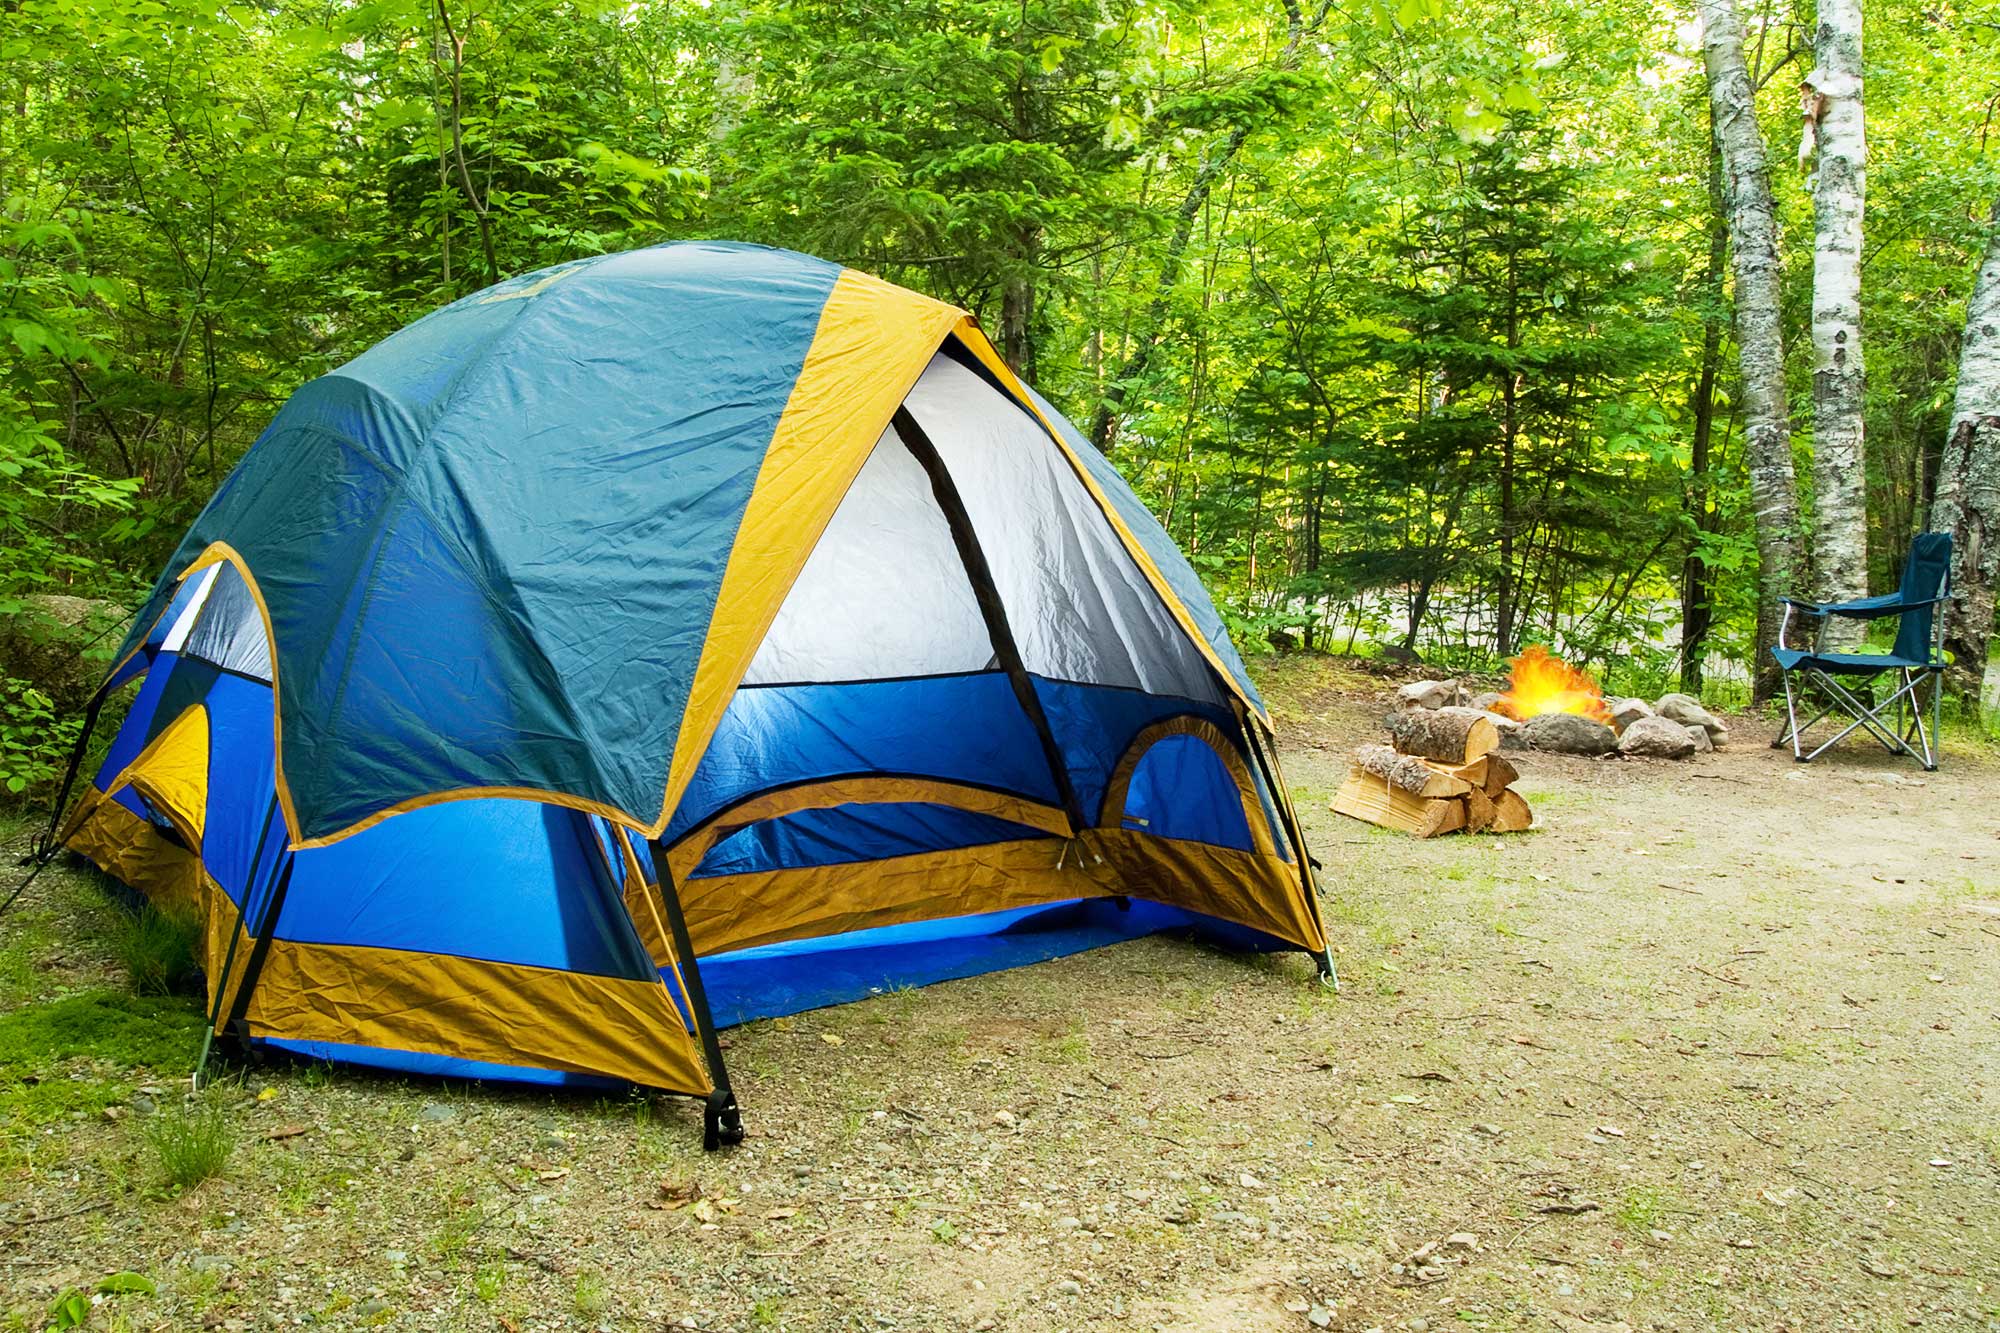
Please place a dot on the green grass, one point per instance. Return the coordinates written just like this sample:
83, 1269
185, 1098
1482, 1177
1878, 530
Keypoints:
592, 1296
157, 950
192, 1142
107, 1035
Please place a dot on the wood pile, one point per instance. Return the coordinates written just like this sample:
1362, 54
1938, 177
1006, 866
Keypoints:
1442, 774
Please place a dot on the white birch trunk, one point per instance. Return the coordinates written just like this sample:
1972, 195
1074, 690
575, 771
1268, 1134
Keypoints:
1840, 472
1967, 501
1753, 244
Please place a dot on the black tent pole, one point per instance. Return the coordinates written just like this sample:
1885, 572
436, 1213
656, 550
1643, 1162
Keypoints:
260, 949
235, 934
45, 847
722, 1122
1289, 815
991, 609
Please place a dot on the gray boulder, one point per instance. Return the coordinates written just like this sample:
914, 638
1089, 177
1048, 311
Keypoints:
1700, 737
1568, 733
1656, 738
1624, 712
1687, 710
1428, 694
1484, 702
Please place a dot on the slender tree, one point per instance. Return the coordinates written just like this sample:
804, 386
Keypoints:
1967, 504
1753, 238
1832, 105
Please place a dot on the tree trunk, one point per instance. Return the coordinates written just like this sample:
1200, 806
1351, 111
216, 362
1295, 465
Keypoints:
1967, 504
1753, 236
1104, 422
1840, 471
1697, 593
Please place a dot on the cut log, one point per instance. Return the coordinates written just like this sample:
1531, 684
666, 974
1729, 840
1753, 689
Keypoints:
1412, 774
1491, 773
1479, 811
1448, 735
1366, 797
1511, 813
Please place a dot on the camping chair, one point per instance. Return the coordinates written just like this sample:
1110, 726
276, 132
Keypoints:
1916, 655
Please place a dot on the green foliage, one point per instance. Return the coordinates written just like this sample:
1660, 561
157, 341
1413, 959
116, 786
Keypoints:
158, 949
77, 1055
191, 1142
1395, 311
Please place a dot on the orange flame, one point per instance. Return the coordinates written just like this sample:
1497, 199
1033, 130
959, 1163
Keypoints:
1543, 683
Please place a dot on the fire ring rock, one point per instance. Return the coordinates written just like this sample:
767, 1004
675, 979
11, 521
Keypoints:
1657, 738
1687, 710
1624, 712
1568, 733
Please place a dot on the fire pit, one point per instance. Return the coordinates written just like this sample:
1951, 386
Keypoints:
1559, 707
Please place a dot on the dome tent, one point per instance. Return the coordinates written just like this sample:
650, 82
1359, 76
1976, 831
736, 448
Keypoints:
666, 640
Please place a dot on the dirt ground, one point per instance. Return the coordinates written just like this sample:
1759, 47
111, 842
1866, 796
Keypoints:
1716, 1047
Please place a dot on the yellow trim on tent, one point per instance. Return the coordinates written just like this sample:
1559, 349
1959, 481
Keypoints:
1115, 791
171, 774
730, 912
975, 340
462, 1007
873, 342
133, 851
472, 1009
686, 854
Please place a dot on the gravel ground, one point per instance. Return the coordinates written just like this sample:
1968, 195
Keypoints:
1713, 1048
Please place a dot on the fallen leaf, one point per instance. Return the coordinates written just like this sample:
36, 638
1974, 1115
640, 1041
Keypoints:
833, 1039
286, 1132
780, 1214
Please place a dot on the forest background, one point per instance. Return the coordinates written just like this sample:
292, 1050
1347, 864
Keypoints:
1419, 324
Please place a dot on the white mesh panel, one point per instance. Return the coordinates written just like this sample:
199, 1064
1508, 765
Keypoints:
229, 629
1079, 607
884, 592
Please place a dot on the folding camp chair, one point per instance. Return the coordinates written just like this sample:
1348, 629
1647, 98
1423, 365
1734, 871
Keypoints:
1917, 655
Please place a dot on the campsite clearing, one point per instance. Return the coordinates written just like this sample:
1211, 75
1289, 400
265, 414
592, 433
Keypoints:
1715, 1047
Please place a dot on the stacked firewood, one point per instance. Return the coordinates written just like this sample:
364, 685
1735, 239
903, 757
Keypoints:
1442, 774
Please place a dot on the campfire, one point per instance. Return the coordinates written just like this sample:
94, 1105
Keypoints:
1441, 773
1540, 682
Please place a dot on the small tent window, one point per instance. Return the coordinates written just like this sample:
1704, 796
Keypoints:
1182, 789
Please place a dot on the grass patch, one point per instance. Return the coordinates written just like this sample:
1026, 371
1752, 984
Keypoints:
192, 1142
100, 1033
157, 950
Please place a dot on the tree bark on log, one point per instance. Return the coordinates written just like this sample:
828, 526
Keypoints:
1410, 773
1753, 236
1967, 501
1448, 735
1833, 108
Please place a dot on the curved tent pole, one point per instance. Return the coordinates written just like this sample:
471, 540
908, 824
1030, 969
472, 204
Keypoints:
722, 1121
991, 610
1281, 796
235, 935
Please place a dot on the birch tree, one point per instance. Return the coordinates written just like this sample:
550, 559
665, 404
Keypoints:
1832, 105
1967, 503
1753, 243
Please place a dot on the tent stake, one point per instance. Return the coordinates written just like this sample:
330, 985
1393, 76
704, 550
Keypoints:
722, 1121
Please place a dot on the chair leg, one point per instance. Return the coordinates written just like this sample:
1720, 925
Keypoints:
1792, 713
1864, 717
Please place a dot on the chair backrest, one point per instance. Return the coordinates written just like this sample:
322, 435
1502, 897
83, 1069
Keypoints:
1926, 574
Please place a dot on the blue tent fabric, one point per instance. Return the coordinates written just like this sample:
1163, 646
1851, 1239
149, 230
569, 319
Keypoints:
500, 454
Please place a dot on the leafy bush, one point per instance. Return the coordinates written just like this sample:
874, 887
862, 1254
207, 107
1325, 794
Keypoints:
34, 742
193, 1141
158, 950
